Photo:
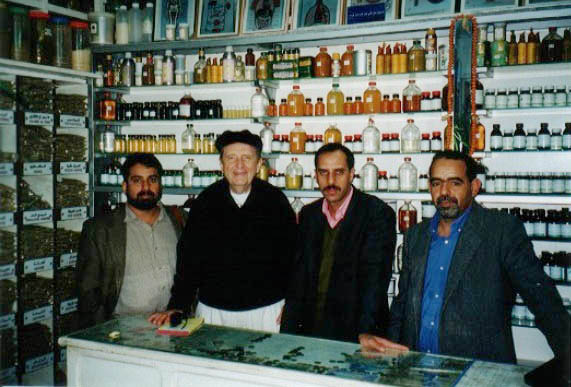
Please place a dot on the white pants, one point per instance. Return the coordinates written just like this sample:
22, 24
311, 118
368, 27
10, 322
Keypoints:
260, 319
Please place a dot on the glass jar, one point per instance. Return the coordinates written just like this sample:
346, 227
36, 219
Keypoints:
383, 183
508, 140
408, 176
20, 43
560, 96
259, 103
523, 182
425, 142
513, 98
62, 41
394, 143
423, 182
519, 137
490, 99
372, 99
410, 140
544, 137
411, 97
332, 134
41, 38
297, 139
295, 102
501, 99
107, 108
322, 64
393, 183
524, 98
407, 216
416, 57
552, 47
187, 139
369, 174
80, 48
425, 101
294, 175
267, 135
436, 142
335, 100
537, 96
358, 144
189, 171
496, 138
371, 138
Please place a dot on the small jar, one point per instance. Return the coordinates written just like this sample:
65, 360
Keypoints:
558, 182
524, 98
170, 32
182, 31
383, 181
511, 182
537, 97
393, 183
546, 183
425, 102
531, 140
568, 183
358, 144
535, 183
523, 182
500, 183
386, 143
490, 184
423, 183
502, 99
80, 50
62, 41
285, 143
425, 142
490, 99
549, 96
508, 139
556, 139
395, 143
307, 182
436, 101
348, 143
436, 142
513, 98
560, 96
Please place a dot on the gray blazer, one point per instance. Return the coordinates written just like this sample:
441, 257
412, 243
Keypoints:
493, 261
101, 264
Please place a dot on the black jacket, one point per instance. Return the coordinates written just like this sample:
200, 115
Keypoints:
493, 261
236, 258
357, 297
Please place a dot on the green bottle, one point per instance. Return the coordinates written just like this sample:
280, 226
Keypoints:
499, 46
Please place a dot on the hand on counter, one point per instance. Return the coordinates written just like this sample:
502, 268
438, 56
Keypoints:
372, 343
161, 318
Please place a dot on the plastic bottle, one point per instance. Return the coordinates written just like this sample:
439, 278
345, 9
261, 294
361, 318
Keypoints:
229, 64
135, 23
122, 25
148, 18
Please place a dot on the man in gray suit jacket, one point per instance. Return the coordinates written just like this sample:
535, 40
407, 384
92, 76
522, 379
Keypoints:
462, 270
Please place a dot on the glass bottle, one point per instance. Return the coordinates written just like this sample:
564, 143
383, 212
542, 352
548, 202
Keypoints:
239, 70
477, 135
295, 104
408, 176
135, 23
335, 65
512, 50
416, 57
297, 139
358, 106
544, 137
407, 216
148, 71
566, 57
411, 96
282, 110
410, 140
348, 106
532, 47
189, 170
395, 104
250, 65
186, 107
258, 103
482, 46
566, 141
263, 173
522, 49
322, 64
499, 49
383, 184
168, 68
380, 60
308, 107
386, 104
200, 68
371, 138
519, 137
107, 107
228, 65
335, 101
496, 138
294, 175
332, 134
187, 139
262, 67
552, 47
122, 25
40, 38
347, 61
425, 142
436, 142
267, 135
369, 174
319, 107
372, 99
148, 23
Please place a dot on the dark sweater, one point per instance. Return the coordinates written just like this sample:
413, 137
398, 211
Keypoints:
236, 258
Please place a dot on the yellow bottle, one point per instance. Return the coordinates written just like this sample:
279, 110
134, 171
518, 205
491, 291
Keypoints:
335, 99
372, 99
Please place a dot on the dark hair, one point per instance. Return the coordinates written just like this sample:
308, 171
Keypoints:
244, 137
473, 168
147, 159
332, 147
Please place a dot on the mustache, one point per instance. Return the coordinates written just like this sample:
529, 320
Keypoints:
146, 193
447, 199
332, 187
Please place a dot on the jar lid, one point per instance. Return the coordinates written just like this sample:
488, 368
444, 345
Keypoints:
407, 159
37, 14
59, 20
78, 24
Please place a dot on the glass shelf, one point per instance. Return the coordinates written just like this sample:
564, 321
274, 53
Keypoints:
528, 111
214, 121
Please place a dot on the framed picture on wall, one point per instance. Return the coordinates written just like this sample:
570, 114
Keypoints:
264, 16
173, 12
472, 5
315, 14
414, 8
363, 11
546, 2
218, 18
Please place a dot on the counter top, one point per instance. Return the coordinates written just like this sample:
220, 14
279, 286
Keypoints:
331, 359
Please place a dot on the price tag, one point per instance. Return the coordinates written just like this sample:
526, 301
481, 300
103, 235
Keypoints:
68, 306
38, 264
39, 362
8, 376
7, 321
35, 169
67, 260
6, 169
7, 271
6, 219
35, 315
63, 355
67, 121
72, 167
46, 119
6, 117
71, 213
39, 216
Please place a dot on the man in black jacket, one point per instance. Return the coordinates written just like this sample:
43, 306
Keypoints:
339, 287
238, 246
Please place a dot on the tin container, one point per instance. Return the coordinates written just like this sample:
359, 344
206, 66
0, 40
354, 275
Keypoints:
362, 62
443, 57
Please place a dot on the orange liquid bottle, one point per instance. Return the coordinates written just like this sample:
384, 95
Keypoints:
297, 139
372, 98
295, 103
308, 108
388, 60
335, 101
358, 106
380, 63
386, 104
319, 107
347, 61
348, 106
395, 60
283, 108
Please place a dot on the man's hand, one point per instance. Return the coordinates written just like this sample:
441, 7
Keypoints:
161, 318
371, 343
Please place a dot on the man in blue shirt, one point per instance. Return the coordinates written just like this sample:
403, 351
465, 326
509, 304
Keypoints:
462, 271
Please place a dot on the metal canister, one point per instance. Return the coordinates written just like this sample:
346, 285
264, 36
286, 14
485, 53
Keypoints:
443, 57
362, 62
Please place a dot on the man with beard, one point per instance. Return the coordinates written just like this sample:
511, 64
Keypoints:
339, 288
127, 258
238, 247
462, 270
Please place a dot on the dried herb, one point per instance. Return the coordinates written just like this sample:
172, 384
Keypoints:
36, 241
7, 247
70, 147
36, 95
29, 200
36, 143
7, 198
36, 291
67, 241
74, 104
35, 340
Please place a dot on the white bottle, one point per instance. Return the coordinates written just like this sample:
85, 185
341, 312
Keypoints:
148, 18
168, 68
369, 174
189, 171
259, 103
122, 25
267, 135
135, 24
228, 65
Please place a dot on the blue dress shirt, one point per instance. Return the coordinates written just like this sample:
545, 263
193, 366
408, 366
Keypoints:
435, 276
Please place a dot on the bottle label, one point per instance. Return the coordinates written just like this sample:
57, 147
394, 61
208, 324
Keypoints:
544, 141
507, 143
184, 110
537, 100
496, 142
566, 143
519, 142
556, 142
479, 97
490, 101
524, 100
147, 27
501, 102
513, 101
548, 99
531, 143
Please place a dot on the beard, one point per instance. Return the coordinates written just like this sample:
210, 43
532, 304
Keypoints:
450, 212
141, 202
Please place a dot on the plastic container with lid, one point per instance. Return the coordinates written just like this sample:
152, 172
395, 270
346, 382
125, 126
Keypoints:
41, 51
80, 50
62, 41
20, 43
101, 27
122, 25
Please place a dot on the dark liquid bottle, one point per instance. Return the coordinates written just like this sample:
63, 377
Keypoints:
552, 47
407, 216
